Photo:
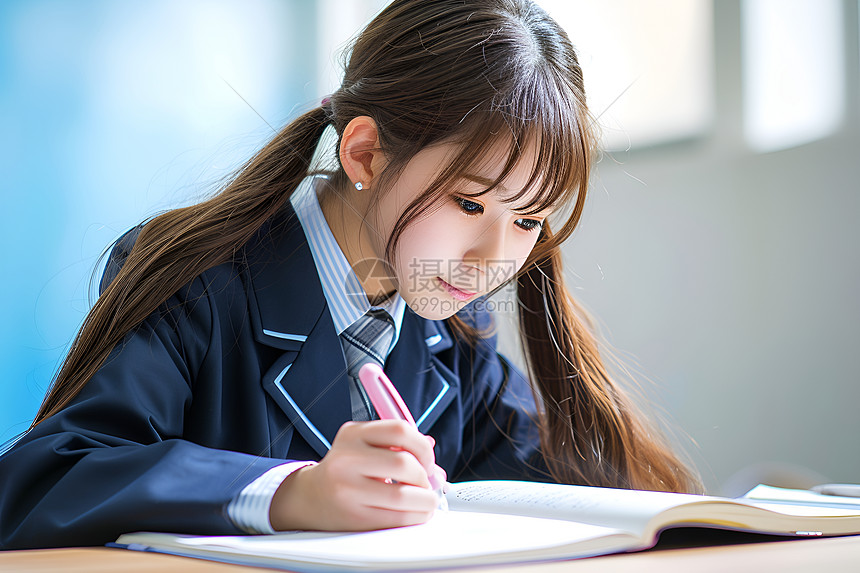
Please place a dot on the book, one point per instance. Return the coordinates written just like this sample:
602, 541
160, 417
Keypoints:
507, 522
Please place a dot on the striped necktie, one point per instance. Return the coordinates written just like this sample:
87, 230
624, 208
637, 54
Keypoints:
367, 340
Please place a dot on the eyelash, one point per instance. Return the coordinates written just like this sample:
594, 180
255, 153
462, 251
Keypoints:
473, 209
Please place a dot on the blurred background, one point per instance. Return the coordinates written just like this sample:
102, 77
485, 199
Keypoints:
718, 251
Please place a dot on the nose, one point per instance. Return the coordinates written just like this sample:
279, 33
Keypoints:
487, 248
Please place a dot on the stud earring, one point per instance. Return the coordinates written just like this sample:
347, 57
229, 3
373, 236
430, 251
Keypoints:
359, 186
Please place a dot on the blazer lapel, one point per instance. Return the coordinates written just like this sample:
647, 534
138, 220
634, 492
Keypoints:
312, 387
289, 312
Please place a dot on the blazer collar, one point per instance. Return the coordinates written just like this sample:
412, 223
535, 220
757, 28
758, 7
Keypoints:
286, 297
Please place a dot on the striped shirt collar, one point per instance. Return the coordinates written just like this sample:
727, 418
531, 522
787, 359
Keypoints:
344, 294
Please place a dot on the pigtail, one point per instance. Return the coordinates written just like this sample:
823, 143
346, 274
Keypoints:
591, 433
178, 245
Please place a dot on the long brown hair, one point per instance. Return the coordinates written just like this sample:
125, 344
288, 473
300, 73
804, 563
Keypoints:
428, 71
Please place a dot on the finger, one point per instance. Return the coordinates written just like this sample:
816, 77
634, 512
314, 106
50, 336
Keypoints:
398, 497
360, 450
402, 435
438, 478
374, 505
348, 432
398, 465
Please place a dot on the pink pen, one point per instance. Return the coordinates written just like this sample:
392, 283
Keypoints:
389, 405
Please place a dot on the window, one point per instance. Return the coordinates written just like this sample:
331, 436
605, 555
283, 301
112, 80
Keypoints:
648, 66
793, 71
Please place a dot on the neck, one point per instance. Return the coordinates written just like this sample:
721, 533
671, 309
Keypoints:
343, 210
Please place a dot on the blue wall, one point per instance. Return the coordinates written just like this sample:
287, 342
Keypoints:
110, 112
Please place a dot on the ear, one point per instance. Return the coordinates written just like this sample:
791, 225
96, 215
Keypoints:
360, 153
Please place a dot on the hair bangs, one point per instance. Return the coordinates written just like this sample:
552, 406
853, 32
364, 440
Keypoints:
541, 123
514, 134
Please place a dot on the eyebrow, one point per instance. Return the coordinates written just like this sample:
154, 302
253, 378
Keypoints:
484, 181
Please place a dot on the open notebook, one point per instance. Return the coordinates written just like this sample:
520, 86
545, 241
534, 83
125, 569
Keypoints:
496, 522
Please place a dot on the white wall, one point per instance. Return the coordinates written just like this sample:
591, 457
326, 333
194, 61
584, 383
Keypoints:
732, 279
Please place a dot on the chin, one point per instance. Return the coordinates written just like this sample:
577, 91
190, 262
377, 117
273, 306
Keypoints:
432, 307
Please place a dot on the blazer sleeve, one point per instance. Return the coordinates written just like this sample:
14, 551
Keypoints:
114, 459
500, 438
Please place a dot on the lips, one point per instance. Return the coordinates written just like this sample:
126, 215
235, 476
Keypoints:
455, 292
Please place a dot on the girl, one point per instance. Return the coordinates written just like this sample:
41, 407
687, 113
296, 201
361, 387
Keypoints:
210, 388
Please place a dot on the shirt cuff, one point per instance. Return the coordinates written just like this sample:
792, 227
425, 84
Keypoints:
250, 509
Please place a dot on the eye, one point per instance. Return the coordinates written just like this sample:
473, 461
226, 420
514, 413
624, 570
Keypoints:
469, 207
529, 224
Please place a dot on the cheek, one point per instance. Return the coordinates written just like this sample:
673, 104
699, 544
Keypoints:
522, 247
518, 247
433, 239
427, 249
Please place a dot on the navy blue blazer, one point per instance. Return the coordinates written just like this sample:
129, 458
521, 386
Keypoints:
237, 372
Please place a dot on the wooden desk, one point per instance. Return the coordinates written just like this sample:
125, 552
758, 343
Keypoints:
831, 555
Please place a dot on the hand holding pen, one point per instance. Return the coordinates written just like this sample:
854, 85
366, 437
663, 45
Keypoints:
389, 405
376, 475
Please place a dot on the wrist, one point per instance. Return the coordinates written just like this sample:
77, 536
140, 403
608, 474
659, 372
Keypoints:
290, 508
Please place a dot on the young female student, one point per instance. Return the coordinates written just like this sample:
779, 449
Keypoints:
210, 388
